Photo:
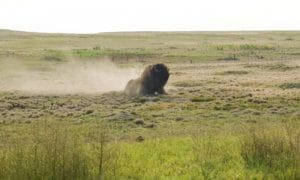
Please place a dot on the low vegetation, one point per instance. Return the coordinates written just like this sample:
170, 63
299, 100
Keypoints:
52, 55
233, 72
272, 150
53, 150
114, 55
276, 67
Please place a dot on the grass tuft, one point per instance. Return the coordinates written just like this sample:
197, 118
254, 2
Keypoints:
290, 86
272, 150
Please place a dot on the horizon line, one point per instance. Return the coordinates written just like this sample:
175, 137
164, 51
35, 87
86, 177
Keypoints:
154, 31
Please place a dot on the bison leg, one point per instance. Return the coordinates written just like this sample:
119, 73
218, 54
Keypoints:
161, 91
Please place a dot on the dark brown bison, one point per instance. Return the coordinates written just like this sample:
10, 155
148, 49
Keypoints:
152, 81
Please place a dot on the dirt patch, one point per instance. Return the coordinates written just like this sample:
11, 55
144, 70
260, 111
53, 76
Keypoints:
89, 76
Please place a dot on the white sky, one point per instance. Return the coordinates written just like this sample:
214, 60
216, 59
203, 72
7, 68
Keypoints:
90, 16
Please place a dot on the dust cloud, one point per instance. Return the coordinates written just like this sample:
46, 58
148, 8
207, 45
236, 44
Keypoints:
66, 78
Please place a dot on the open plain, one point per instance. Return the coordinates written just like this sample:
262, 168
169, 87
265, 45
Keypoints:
232, 109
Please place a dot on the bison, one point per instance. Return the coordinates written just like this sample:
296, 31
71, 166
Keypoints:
151, 82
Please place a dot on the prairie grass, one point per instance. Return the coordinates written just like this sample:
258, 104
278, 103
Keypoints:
52, 150
270, 149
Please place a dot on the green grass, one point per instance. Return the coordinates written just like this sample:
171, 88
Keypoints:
270, 151
55, 150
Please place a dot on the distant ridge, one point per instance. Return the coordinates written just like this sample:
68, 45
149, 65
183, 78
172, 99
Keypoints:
19, 32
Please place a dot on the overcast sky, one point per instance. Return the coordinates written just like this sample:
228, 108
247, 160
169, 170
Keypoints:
91, 16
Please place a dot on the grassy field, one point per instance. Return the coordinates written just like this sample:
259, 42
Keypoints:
231, 112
